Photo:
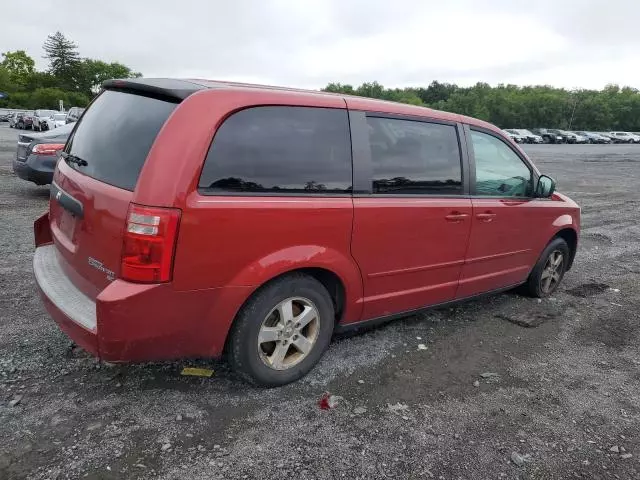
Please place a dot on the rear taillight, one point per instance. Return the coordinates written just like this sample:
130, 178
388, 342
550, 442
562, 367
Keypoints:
47, 148
149, 243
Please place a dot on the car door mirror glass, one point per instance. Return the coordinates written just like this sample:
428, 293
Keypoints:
546, 186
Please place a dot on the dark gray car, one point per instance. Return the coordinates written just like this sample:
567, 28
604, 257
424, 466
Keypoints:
37, 154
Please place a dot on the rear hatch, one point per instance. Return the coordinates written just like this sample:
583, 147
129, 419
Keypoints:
94, 183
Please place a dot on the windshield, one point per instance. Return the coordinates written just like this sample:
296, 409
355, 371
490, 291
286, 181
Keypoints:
46, 113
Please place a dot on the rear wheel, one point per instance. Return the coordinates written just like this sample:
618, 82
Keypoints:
549, 270
282, 331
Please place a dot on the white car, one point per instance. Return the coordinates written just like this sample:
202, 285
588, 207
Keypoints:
58, 120
41, 120
531, 137
624, 137
515, 135
579, 138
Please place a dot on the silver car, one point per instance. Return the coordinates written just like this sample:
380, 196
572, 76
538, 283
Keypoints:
42, 120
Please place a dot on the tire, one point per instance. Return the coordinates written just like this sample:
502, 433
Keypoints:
254, 361
537, 281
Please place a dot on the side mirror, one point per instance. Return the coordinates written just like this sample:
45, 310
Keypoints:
545, 187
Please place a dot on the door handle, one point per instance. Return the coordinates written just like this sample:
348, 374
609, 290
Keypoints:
456, 217
486, 217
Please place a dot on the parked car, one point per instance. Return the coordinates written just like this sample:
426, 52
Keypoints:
625, 137
608, 135
530, 136
593, 137
549, 136
74, 114
307, 213
13, 119
4, 117
515, 135
42, 119
58, 120
37, 154
27, 121
567, 137
577, 138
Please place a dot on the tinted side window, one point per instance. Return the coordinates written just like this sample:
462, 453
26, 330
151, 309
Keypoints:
499, 171
280, 149
412, 157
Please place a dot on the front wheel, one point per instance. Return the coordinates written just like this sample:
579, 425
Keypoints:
549, 270
282, 331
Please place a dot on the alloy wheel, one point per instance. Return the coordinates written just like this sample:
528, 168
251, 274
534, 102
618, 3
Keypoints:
552, 272
288, 333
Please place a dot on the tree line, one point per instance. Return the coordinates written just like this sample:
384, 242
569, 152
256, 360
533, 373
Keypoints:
75, 80
69, 77
512, 106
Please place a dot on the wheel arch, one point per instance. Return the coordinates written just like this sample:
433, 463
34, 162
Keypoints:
337, 272
331, 280
569, 235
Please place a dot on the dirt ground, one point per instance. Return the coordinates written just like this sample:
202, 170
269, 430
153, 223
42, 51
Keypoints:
562, 400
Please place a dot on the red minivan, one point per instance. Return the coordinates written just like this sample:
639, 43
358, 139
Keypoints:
192, 218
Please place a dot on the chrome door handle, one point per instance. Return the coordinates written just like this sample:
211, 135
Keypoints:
456, 217
486, 217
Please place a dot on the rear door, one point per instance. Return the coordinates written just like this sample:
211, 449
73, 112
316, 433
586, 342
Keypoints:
507, 221
411, 215
92, 188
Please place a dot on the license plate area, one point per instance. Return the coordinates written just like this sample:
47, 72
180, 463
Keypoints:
67, 224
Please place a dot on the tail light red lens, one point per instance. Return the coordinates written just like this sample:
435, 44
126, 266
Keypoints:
47, 148
149, 244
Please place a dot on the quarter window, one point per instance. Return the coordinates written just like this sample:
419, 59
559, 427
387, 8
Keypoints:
499, 171
280, 149
411, 157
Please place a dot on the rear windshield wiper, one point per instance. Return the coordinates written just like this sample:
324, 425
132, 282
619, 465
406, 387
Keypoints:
73, 159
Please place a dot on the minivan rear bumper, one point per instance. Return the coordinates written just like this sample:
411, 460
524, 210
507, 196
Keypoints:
130, 322
72, 310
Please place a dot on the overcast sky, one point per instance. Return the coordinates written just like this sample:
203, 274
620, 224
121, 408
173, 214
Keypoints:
308, 43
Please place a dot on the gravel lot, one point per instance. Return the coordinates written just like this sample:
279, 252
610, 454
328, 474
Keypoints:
564, 401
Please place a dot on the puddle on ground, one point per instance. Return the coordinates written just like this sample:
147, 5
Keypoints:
588, 289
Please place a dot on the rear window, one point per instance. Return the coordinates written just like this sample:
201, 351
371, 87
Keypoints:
115, 135
280, 150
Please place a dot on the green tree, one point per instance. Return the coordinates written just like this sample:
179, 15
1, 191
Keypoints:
76, 99
48, 98
339, 88
371, 90
436, 92
20, 67
41, 80
5, 80
613, 108
95, 72
64, 60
